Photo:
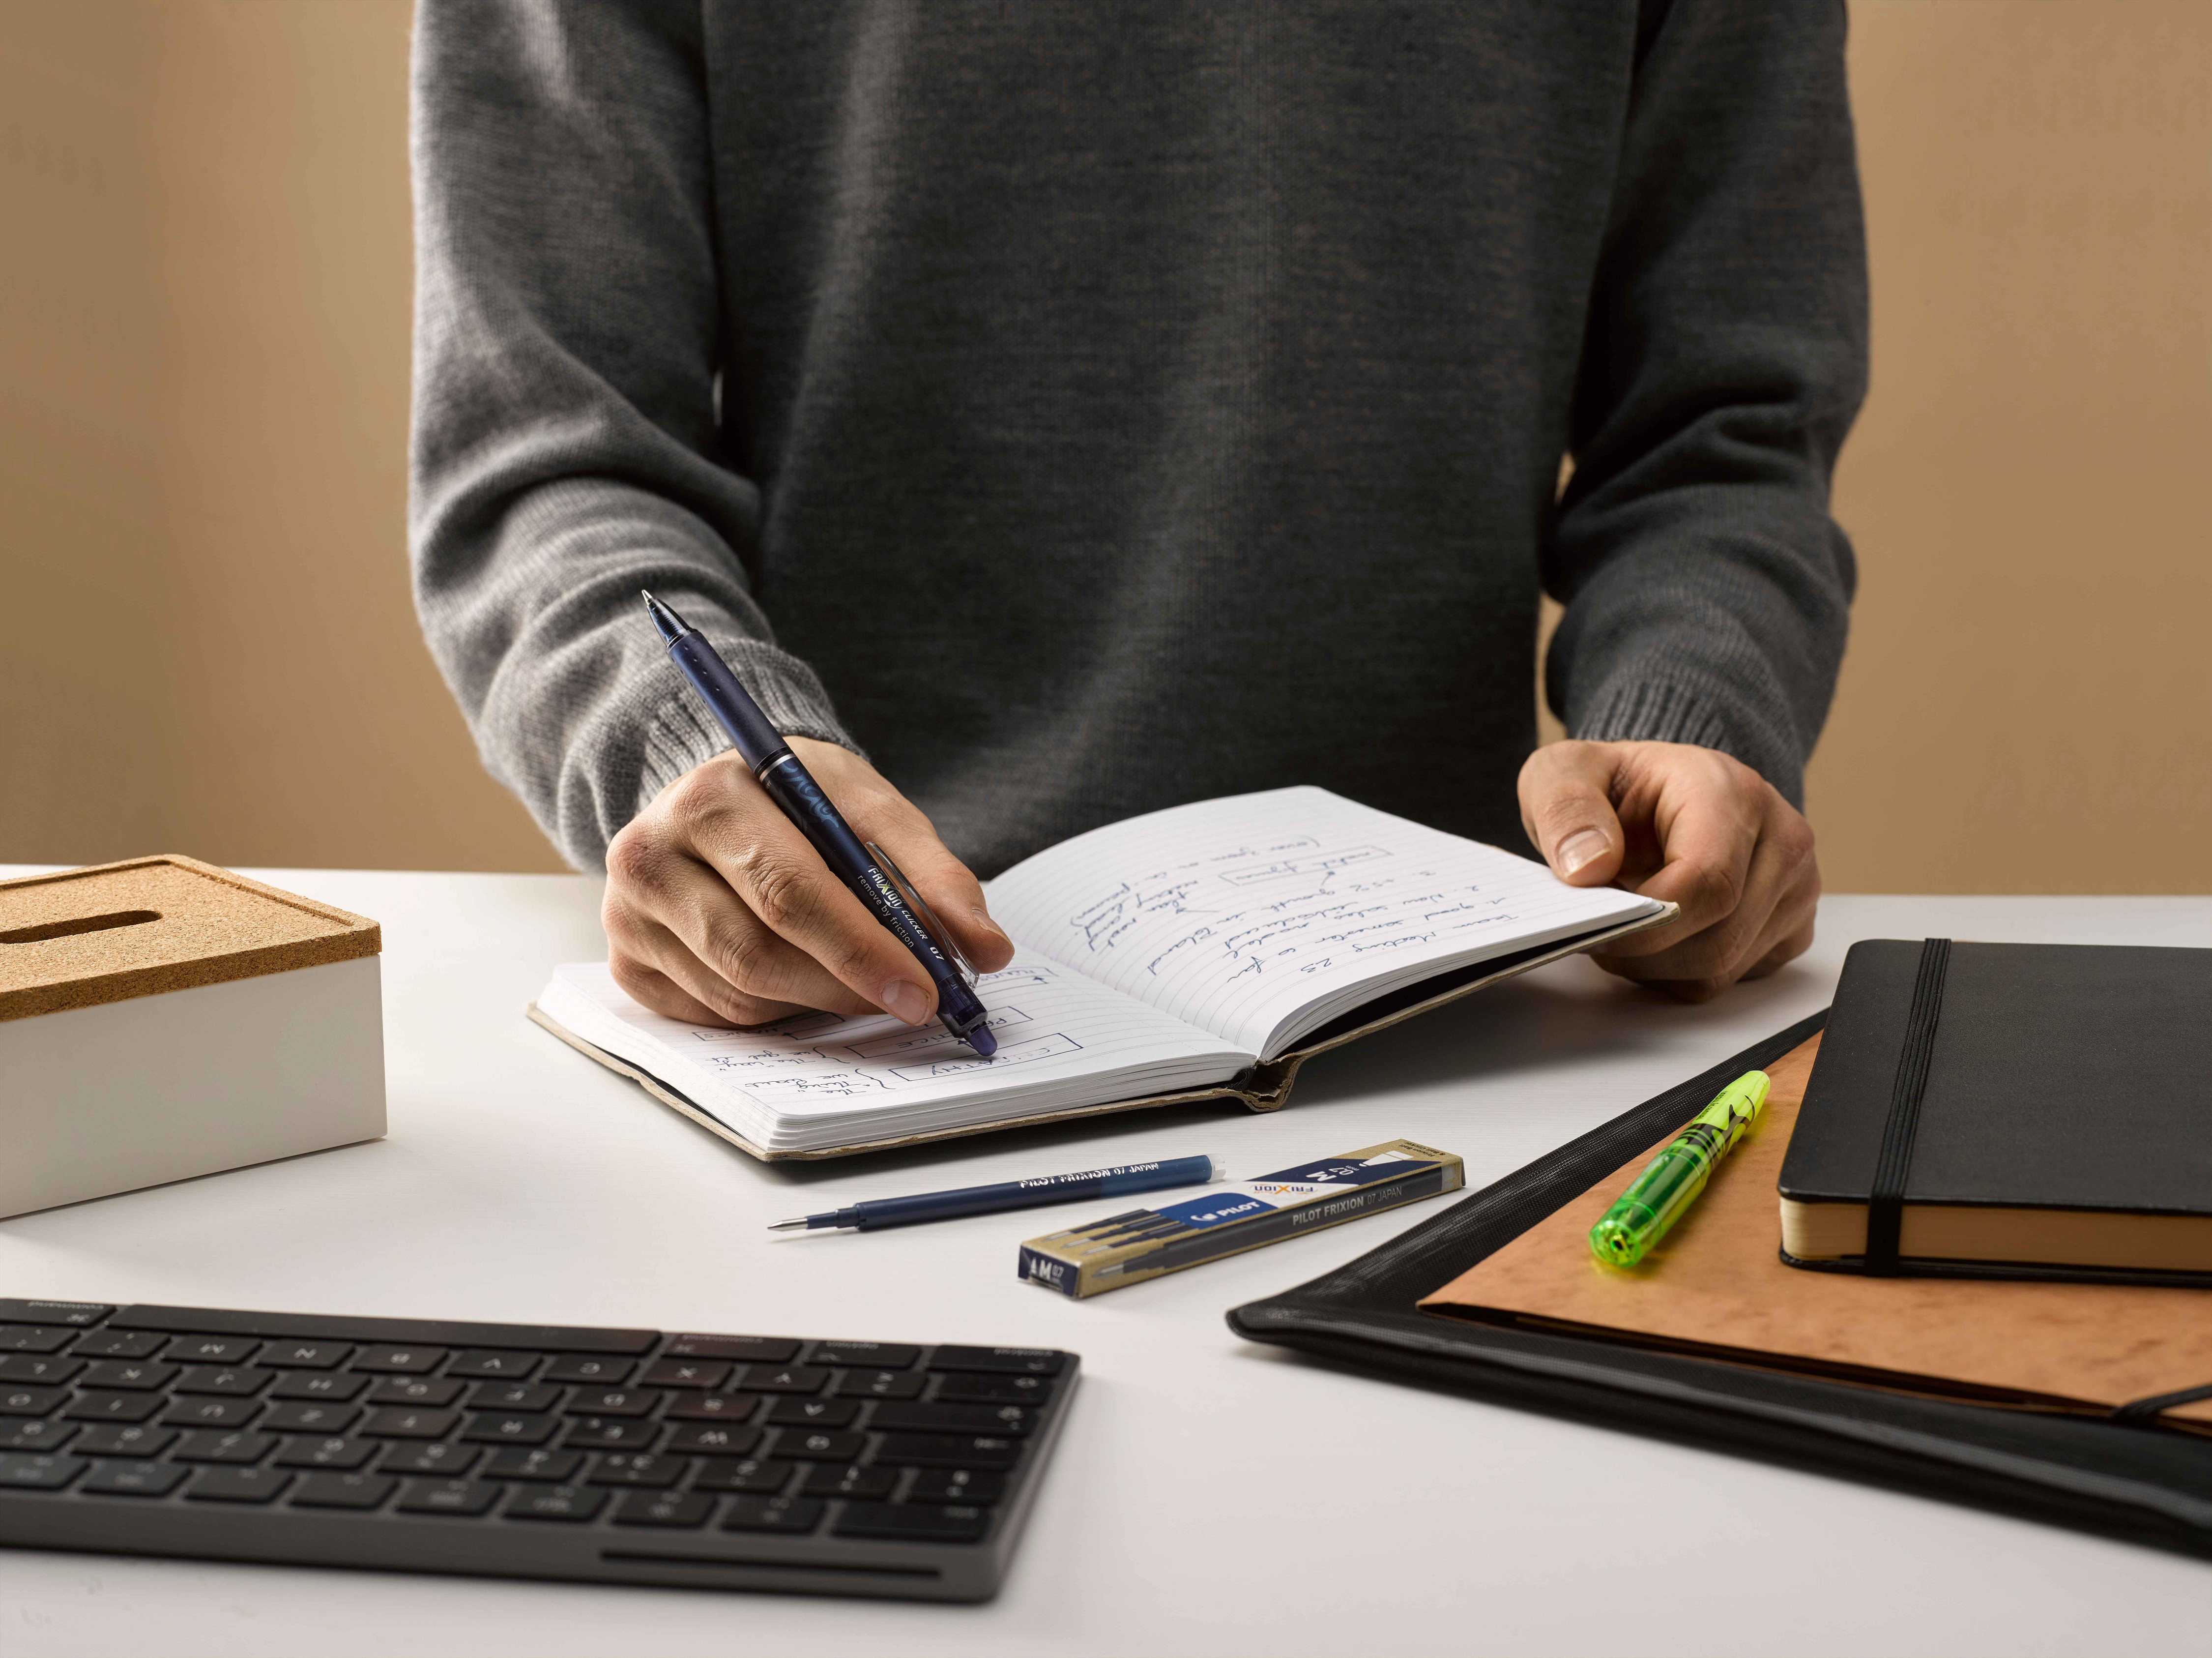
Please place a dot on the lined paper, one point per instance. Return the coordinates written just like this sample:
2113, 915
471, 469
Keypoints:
824, 1079
1260, 916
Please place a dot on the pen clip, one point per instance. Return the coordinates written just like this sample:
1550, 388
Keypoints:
937, 931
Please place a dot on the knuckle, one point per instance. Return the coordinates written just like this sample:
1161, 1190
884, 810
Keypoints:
636, 859
780, 891
742, 954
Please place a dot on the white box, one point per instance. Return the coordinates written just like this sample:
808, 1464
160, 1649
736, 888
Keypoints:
161, 1018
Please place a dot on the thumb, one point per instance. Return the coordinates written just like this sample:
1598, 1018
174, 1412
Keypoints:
1567, 807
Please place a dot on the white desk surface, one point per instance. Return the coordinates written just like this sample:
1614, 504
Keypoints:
1209, 1494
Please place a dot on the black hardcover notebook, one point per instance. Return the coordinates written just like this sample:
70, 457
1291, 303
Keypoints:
2009, 1110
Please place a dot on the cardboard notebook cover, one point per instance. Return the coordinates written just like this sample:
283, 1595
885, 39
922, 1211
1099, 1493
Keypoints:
1261, 1088
2142, 1473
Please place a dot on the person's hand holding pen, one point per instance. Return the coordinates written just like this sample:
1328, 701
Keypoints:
719, 912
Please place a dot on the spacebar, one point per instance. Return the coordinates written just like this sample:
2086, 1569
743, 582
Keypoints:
222, 1321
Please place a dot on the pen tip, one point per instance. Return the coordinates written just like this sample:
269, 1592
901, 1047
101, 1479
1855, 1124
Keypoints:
786, 1226
666, 621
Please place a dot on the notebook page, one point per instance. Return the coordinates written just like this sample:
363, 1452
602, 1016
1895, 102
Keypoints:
1260, 916
823, 1080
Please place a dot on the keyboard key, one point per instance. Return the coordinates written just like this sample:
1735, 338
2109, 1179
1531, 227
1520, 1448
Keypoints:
948, 1451
876, 1355
512, 1396
120, 1344
211, 1446
238, 1485
652, 1508
897, 1417
238, 1381
590, 1368
45, 1368
393, 1422
712, 1407
570, 1503
134, 1373
812, 1412
1010, 1361
613, 1434
765, 1350
311, 1385
509, 1427
615, 1402
514, 1366
21, 1471
342, 1491
307, 1356
914, 1522
212, 1350
77, 1314
113, 1407
451, 1497
133, 1478
979, 1388
554, 1467
714, 1439
676, 1373
137, 1442
299, 1417
640, 1469
34, 1433
442, 1458
796, 1514
789, 1379
208, 1412
35, 1337
416, 1389
749, 1474
18, 1400
847, 1479
955, 1485
400, 1361
879, 1384
819, 1447
325, 1452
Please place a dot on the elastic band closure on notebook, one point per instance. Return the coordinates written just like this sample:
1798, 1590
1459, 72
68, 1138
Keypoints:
1886, 1202
2138, 1413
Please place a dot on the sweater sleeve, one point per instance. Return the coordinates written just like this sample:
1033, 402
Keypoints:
564, 451
1706, 587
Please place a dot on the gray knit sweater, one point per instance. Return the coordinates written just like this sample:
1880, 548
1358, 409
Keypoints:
1084, 407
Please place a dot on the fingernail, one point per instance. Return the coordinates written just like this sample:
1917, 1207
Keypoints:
982, 918
1580, 848
901, 996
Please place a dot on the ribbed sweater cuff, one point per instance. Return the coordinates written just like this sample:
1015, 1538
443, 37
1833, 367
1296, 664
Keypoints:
1648, 711
682, 734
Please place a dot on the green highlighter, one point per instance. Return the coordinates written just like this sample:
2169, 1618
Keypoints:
1670, 1183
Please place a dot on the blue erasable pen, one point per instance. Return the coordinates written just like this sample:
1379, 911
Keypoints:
1111, 1182
874, 879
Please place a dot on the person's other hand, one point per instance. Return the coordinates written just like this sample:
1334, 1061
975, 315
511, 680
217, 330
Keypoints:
717, 912
1684, 824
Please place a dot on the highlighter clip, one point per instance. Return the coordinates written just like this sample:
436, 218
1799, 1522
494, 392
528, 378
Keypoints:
938, 932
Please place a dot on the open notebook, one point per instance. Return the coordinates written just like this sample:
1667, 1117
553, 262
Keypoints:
1205, 950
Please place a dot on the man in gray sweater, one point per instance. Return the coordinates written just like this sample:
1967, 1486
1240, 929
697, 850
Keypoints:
1074, 409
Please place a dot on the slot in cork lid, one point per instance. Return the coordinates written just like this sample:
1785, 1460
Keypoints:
113, 931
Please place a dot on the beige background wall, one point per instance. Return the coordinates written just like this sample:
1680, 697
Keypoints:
203, 399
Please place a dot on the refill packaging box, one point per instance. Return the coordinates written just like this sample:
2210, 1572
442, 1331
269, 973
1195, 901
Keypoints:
162, 1018
1143, 1243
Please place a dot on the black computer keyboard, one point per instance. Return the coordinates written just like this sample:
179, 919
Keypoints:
842, 1467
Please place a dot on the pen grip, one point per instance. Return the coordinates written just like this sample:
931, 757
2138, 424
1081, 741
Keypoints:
793, 788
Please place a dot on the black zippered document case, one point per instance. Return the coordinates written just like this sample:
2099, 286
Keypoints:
2144, 1483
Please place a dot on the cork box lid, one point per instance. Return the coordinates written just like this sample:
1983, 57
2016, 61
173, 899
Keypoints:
118, 930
